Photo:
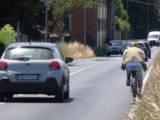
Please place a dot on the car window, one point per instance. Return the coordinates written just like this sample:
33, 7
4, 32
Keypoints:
115, 43
129, 44
140, 45
34, 53
153, 36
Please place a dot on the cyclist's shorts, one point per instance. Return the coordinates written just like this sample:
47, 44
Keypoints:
138, 69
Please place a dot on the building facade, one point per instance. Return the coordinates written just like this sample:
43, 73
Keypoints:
99, 25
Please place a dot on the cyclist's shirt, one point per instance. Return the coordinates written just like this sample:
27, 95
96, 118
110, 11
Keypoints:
134, 63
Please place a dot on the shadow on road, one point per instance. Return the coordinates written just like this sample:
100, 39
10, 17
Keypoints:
71, 65
36, 100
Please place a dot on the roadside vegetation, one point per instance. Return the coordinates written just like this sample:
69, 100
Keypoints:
148, 108
75, 50
101, 51
7, 36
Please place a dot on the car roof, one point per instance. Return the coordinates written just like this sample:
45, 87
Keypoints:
20, 44
115, 40
139, 42
154, 32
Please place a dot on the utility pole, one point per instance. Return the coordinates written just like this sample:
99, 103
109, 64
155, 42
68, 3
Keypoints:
84, 22
126, 23
18, 31
148, 18
46, 21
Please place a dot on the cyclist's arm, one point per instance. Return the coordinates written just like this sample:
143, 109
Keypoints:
124, 53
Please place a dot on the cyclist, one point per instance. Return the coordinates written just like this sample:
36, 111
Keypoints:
133, 59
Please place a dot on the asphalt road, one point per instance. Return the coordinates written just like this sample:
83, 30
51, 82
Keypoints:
98, 91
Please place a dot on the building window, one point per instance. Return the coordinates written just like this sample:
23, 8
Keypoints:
67, 24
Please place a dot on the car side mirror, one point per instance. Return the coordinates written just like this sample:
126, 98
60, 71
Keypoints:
69, 59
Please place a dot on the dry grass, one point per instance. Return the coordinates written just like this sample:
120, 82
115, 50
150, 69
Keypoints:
75, 50
148, 108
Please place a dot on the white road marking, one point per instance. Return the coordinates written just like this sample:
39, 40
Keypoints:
85, 68
146, 78
1, 103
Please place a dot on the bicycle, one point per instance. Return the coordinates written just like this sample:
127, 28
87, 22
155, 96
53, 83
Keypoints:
134, 84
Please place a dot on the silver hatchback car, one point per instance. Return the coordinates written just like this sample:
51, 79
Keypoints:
33, 68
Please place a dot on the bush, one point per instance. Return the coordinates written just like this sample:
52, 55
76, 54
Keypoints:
7, 35
75, 50
101, 51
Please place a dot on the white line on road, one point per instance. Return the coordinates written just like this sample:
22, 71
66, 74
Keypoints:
146, 78
1, 103
85, 68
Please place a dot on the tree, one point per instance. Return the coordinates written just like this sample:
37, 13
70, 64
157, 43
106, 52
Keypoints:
62, 8
7, 35
122, 16
138, 17
22, 10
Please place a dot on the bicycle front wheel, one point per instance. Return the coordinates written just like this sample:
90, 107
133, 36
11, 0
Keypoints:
134, 88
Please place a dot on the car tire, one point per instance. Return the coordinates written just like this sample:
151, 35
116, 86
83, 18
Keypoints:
66, 94
1, 97
9, 96
59, 96
149, 56
108, 54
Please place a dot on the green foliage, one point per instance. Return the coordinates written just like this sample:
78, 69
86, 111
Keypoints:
18, 9
101, 51
7, 35
122, 16
138, 17
120, 11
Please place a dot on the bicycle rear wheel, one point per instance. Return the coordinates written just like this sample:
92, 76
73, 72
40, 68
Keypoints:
134, 88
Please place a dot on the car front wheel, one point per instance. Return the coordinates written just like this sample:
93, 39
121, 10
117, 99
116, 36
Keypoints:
9, 96
66, 94
1, 97
108, 54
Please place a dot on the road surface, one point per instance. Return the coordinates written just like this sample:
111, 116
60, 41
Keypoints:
98, 91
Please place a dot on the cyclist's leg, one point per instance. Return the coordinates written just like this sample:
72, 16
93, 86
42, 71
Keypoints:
128, 73
139, 77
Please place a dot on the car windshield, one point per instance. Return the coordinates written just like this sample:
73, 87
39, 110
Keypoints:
115, 43
153, 36
29, 53
140, 45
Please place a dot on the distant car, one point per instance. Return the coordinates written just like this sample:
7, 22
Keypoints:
148, 48
154, 38
32, 68
115, 47
142, 46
